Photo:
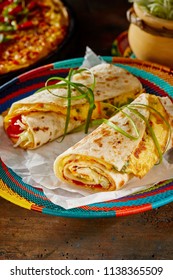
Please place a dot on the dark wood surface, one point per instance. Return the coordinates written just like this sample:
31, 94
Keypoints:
31, 235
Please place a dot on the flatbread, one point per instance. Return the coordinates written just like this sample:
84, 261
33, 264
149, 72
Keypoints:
34, 111
106, 159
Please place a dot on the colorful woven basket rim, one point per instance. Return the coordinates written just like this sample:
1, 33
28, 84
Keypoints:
157, 79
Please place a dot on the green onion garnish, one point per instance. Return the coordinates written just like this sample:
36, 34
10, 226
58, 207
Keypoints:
160, 115
68, 104
151, 131
120, 130
85, 92
132, 107
120, 109
111, 124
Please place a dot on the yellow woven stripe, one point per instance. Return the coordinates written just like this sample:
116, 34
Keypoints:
13, 197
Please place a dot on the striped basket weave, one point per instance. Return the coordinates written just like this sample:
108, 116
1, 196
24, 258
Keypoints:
156, 79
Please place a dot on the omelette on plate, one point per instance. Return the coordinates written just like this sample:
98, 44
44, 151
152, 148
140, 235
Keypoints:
127, 145
54, 110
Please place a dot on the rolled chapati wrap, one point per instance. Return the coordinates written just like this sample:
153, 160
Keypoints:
58, 109
127, 145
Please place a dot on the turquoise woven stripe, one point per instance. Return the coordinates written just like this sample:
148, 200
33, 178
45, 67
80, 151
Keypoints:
149, 76
32, 194
75, 62
162, 202
156, 198
79, 213
151, 199
36, 196
107, 58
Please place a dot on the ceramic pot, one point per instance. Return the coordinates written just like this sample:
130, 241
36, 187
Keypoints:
150, 37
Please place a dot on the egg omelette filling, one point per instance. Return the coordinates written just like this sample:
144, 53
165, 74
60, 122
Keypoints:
43, 116
99, 175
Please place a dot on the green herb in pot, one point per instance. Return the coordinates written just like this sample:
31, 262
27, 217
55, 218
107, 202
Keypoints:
159, 8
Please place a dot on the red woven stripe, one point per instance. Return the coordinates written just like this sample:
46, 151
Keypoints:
124, 211
35, 86
146, 64
37, 72
156, 88
21, 92
120, 211
143, 195
120, 39
36, 208
41, 73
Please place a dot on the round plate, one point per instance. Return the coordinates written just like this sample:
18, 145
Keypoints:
59, 53
156, 80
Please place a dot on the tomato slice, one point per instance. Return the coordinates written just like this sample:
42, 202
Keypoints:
14, 129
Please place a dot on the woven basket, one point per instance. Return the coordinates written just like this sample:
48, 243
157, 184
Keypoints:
156, 79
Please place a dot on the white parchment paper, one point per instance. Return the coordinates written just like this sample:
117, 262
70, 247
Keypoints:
35, 167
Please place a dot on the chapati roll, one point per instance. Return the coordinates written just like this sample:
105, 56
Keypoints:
41, 117
107, 158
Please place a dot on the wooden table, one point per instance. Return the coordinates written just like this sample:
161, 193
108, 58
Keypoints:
31, 235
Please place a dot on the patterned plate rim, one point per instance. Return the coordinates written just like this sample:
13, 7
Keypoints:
14, 190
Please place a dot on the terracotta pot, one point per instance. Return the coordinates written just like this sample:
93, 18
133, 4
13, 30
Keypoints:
150, 38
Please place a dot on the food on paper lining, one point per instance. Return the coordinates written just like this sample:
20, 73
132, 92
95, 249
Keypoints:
58, 109
29, 31
128, 145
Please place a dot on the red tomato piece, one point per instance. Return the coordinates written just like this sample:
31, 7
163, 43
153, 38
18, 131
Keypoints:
96, 186
14, 128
